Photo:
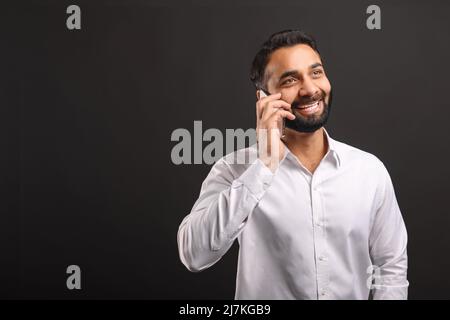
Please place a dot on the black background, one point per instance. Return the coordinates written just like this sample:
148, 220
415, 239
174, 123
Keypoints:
87, 116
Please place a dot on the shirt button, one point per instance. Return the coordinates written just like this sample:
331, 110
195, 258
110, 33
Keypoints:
322, 258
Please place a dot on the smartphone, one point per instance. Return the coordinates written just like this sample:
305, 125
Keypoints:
263, 93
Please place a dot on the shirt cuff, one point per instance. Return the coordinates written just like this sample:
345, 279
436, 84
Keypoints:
390, 292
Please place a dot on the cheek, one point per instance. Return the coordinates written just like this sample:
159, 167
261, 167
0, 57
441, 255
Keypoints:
289, 94
325, 86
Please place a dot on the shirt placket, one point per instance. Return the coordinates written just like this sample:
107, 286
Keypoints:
320, 244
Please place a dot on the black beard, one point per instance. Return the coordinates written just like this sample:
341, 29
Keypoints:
310, 124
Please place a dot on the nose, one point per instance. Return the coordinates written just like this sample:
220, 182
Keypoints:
308, 88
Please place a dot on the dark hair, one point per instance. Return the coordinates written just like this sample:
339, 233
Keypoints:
285, 38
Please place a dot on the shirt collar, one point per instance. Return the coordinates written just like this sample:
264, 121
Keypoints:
333, 151
333, 147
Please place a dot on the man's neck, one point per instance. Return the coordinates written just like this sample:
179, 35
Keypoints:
308, 147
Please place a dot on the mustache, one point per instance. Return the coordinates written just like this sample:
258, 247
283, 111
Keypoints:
312, 99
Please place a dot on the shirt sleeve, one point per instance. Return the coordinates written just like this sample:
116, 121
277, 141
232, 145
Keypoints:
387, 244
220, 213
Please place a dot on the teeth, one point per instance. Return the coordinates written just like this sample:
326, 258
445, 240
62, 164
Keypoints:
310, 105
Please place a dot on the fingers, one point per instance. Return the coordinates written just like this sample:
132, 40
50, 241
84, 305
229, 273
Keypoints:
277, 111
280, 114
271, 111
274, 96
267, 108
262, 102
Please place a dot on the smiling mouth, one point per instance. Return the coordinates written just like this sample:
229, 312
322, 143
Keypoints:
309, 106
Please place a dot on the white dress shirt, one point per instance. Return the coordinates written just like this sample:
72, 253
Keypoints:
301, 235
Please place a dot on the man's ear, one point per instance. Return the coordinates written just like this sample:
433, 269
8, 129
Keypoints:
258, 94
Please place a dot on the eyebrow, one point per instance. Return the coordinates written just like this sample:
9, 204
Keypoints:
295, 72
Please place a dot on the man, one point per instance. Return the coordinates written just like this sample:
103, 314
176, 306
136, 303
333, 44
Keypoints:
315, 218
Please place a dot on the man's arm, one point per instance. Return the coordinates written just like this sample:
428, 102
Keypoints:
225, 202
220, 213
387, 243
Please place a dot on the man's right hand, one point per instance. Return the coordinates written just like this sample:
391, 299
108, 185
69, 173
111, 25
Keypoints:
270, 112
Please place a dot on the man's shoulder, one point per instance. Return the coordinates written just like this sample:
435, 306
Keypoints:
354, 156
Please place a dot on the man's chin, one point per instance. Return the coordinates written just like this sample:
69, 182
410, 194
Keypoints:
310, 129
307, 125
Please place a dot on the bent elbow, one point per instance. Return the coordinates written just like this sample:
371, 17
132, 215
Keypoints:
192, 266
186, 254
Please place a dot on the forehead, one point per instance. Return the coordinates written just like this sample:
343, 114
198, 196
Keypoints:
299, 57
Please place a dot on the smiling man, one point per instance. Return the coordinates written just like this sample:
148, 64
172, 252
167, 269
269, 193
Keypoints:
315, 218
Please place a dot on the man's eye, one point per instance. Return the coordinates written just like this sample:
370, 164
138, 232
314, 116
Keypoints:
317, 72
288, 81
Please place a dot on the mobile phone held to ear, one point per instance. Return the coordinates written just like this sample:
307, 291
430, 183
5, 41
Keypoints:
262, 94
